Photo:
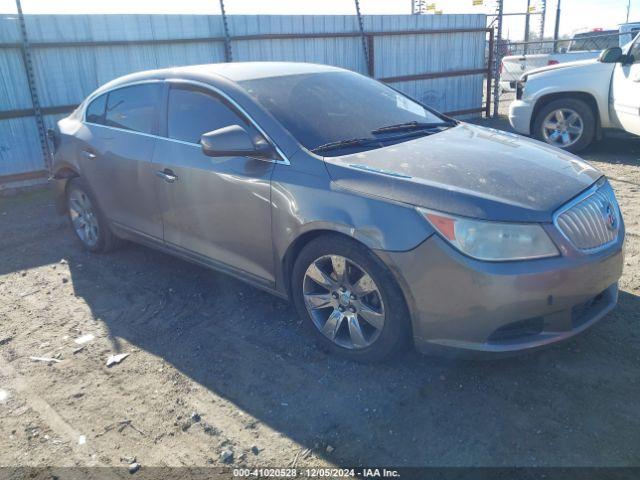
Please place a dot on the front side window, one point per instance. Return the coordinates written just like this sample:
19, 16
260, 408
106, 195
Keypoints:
134, 108
324, 107
95, 110
194, 112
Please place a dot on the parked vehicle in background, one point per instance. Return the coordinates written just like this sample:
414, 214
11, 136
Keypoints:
381, 219
569, 105
583, 46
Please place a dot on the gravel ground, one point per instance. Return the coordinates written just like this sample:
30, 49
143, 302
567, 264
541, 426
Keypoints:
216, 367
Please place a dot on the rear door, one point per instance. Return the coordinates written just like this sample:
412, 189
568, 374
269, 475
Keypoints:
216, 208
117, 160
625, 91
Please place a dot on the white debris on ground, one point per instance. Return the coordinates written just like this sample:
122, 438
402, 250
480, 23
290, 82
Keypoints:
115, 359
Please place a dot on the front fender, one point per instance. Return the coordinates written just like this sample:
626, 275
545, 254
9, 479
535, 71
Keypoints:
304, 203
590, 81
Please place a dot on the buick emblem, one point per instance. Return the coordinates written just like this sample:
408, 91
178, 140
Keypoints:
610, 218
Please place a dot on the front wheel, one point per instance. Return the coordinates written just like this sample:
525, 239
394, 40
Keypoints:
568, 123
349, 300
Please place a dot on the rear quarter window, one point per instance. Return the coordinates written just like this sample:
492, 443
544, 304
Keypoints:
95, 110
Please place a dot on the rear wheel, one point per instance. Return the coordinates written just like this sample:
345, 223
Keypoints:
349, 300
568, 123
88, 223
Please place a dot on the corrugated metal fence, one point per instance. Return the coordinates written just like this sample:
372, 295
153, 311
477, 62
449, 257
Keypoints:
437, 59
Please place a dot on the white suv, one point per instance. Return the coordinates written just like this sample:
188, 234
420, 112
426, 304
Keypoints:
568, 105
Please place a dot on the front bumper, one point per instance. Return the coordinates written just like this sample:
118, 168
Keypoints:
520, 113
474, 306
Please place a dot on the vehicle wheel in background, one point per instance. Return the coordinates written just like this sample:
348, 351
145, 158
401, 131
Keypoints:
568, 123
349, 300
88, 223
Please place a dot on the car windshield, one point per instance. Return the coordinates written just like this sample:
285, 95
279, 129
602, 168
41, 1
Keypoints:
598, 40
334, 112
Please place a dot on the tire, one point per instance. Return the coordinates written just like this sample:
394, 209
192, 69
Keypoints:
586, 119
355, 337
89, 224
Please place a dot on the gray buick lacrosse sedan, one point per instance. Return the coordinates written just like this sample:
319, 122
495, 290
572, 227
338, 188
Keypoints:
384, 221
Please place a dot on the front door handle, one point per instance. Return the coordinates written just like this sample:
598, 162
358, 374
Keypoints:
88, 155
167, 175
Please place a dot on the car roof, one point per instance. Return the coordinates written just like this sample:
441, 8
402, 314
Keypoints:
209, 73
241, 71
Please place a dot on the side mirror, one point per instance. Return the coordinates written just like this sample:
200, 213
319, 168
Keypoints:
234, 141
611, 55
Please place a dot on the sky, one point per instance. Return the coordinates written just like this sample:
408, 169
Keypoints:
576, 14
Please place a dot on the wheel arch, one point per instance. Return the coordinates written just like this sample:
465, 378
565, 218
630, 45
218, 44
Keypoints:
61, 179
305, 238
296, 246
586, 97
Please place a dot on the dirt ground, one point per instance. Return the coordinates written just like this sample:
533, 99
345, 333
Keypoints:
216, 366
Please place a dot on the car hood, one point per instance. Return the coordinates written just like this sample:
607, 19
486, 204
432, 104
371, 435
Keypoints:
579, 64
470, 171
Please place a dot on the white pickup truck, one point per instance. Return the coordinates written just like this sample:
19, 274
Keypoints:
570, 104
583, 46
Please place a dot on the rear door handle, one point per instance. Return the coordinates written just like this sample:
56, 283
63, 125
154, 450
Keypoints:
167, 175
88, 155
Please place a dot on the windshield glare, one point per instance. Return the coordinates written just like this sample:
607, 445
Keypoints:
324, 107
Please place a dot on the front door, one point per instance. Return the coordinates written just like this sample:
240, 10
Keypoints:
216, 208
625, 91
117, 158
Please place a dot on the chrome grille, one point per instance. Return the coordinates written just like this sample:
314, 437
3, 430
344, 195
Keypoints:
593, 221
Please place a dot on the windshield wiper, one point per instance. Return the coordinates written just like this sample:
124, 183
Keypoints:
352, 142
402, 127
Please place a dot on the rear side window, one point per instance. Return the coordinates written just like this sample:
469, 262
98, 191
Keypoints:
194, 112
95, 110
598, 40
134, 108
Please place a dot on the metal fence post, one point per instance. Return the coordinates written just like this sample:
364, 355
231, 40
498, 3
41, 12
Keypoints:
228, 56
33, 91
543, 21
371, 68
363, 37
496, 73
490, 66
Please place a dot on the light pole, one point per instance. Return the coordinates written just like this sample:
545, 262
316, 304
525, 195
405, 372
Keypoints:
556, 32
527, 20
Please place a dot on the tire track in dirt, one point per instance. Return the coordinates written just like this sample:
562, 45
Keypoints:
50, 415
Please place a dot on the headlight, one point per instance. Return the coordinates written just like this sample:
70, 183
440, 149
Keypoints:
492, 241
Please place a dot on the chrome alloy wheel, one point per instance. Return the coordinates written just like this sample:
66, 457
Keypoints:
343, 301
83, 217
562, 127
